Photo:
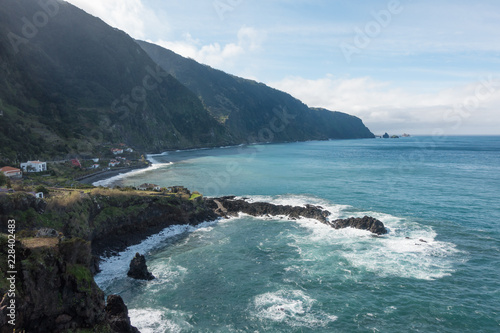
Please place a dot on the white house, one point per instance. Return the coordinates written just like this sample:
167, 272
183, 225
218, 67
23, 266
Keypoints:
113, 163
146, 186
117, 151
34, 166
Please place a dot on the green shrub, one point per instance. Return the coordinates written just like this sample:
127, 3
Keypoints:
43, 189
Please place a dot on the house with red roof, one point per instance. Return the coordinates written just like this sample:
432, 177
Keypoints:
11, 172
75, 162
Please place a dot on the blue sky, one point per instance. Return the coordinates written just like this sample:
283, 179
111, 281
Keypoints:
422, 67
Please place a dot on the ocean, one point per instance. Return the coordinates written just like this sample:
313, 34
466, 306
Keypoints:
437, 270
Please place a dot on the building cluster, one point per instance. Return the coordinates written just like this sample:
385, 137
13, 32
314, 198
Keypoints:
30, 166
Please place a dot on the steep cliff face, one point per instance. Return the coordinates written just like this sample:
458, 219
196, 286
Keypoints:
55, 290
75, 82
252, 111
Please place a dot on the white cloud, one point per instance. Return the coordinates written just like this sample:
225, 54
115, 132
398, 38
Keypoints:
215, 54
127, 15
462, 109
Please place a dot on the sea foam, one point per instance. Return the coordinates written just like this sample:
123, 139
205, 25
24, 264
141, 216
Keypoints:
116, 267
291, 307
409, 250
111, 180
159, 320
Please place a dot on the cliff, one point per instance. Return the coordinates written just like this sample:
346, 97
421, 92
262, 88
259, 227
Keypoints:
253, 111
54, 288
110, 219
76, 83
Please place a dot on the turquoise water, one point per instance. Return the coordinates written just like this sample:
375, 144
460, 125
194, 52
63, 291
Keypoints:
438, 269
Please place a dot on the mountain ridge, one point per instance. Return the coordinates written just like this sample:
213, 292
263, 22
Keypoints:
78, 83
233, 100
70, 84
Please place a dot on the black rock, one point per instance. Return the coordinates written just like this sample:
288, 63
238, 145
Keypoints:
364, 223
138, 269
230, 206
117, 315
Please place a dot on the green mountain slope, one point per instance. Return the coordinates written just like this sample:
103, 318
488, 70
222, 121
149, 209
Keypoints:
254, 111
69, 82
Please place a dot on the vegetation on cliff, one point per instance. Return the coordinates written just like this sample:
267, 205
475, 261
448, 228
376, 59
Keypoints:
111, 217
55, 289
77, 83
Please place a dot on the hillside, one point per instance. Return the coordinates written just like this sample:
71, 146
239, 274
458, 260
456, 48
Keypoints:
71, 82
250, 109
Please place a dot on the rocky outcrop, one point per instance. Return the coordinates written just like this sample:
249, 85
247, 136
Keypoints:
230, 206
111, 220
55, 290
119, 222
365, 223
117, 315
138, 269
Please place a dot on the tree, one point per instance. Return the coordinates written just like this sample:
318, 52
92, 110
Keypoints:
43, 189
3, 179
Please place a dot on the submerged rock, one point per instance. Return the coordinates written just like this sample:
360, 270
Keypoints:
138, 269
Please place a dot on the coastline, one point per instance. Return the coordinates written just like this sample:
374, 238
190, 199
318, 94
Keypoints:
109, 178
108, 174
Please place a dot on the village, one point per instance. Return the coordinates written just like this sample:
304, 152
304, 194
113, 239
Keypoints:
39, 178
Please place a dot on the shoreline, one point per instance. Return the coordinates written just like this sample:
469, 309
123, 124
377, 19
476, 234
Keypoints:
109, 174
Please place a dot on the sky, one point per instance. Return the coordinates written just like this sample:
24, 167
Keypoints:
420, 67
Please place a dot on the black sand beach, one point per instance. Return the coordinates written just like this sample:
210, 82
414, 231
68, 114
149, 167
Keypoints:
107, 174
